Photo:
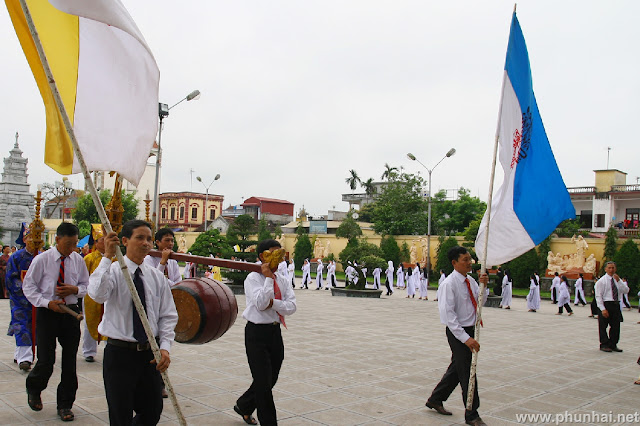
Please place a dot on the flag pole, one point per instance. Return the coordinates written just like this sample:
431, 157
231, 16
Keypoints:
483, 261
98, 204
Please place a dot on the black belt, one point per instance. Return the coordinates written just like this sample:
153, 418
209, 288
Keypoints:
268, 324
134, 346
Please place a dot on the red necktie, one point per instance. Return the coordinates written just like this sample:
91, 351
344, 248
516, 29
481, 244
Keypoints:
278, 295
473, 298
61, 274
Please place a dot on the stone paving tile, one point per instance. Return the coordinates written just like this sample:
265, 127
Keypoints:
375, 362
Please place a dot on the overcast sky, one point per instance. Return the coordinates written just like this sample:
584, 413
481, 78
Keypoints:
296, 93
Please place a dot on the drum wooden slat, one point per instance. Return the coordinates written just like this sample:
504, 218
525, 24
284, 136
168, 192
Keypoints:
206, 310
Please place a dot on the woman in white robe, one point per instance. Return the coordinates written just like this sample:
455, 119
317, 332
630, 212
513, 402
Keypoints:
533, 298
291, 269
411, 289
331, 275
389, 282
579, 293
564, 297
306, 274
506, 290
319, 270
624, 297
376, 278
422, 283
400, 276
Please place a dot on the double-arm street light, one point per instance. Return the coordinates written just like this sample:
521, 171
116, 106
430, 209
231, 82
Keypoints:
206, 198
163, 112
430, 170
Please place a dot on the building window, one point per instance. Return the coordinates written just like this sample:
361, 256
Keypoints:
212, 214
173, 213
194, 213
586, 218
164, 213
631, 218
181, 212
599, 221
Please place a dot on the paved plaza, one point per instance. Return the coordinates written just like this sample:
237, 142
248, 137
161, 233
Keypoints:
375, 362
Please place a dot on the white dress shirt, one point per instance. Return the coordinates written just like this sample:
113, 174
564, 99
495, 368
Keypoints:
107, 285
258, 291
173, 270
40, 283
455, 306
603, 292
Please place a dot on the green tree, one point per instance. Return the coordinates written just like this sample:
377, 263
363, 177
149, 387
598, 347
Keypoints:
470, 234
389, 172
349, 228
570, 227
442, 262
86, 210
543, 250
357, 250
610, 247
84, 228
453, 216
390, 249
627, 260
238, 234
353, 180
211, 242
365, 214
400, 209
522, 267
369, 187
302, 250
263, 230
405, 253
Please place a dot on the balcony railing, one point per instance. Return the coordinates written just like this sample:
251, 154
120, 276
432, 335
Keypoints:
625, 188
582, 190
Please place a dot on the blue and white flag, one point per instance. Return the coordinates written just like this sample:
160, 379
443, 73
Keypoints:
533, 198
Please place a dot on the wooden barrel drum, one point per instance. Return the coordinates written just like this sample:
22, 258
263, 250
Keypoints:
206, 310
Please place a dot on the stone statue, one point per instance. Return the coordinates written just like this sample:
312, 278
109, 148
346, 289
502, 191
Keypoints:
318, 250
413, 252
555, 263
590, 264
327, 249
182, 244
581, 248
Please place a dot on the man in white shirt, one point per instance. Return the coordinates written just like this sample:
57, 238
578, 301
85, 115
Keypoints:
269, 298
132, 381
56, 277
607, 294
169, 267
457, 303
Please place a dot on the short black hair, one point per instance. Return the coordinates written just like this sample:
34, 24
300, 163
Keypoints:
67, 229
162, 232
129, 226
581, 275
266, 245
556, 274
455, 252
4, 247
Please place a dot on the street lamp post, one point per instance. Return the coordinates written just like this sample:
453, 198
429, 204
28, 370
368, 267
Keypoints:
206, 197
163, 112
413, 158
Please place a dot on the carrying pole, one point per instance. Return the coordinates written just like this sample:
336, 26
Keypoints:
99, 207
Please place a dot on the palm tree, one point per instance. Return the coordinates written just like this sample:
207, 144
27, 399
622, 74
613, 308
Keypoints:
388, 172
353, 180
368, 186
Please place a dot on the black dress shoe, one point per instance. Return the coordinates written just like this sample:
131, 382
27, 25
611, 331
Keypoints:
605, 349
25, 366
476, 422
439, 408
89, 359
616, 349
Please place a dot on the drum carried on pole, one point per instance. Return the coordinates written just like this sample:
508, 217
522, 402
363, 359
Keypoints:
206, 310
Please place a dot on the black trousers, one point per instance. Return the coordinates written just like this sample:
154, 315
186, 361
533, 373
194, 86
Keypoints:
611, 339
333, 280
581, 300
265, 353
50, 326
131, 383
566, 306
457, 373
594, 307
554, 295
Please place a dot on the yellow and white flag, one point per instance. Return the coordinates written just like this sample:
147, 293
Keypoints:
107, 78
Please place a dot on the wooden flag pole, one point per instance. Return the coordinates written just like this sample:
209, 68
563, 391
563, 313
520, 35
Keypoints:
483, 261
99, 207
